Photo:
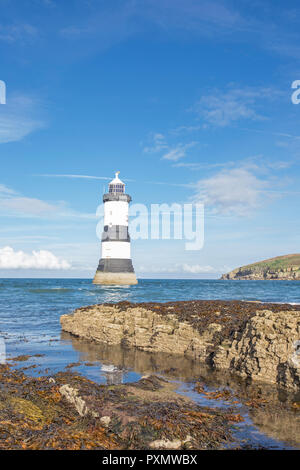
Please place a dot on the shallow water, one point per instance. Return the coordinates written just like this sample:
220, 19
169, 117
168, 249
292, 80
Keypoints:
29, 323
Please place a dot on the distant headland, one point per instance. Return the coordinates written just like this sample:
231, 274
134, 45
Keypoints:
282, 268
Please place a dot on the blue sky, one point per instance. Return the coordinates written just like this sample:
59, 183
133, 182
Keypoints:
190, 100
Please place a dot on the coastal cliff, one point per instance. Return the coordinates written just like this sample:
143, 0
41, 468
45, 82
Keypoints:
279, 268
252, 340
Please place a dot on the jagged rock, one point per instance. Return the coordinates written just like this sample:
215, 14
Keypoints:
166, 444
71, 395
261, 344
266, 350
140, 328
105, 420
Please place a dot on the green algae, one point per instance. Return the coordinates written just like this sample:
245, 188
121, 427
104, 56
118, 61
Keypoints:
28, 409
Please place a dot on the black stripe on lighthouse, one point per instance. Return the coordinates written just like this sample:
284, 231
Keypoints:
115, 233
115, 265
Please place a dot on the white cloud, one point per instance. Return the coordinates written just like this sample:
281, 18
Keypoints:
200, 17
10, 259
5, 190
110, 24
27, 205
18, 118
197, 269
201, 166
88, 177
221, 108
181, 268
12, 202
236, 191
185, 129
158, 144
17, 32
172, 152
178, 152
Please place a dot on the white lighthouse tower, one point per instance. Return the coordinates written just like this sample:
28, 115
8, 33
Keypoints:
115, 266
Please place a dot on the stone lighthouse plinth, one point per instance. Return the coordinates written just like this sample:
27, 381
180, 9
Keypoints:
115, 266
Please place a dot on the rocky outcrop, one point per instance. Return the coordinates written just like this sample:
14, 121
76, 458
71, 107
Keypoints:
252, 340
267, 349
279, 268
140, 328
249, 274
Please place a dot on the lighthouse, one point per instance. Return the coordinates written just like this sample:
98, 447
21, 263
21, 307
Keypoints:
115, 265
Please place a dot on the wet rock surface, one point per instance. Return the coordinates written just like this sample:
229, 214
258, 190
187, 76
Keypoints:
68, 411
251, 339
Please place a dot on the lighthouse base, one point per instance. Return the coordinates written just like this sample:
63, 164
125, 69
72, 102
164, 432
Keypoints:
115, 271
106, 278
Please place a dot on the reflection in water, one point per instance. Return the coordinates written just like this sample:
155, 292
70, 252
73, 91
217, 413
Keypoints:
278, 418
170, 365
279, 424
112, 374
274, 411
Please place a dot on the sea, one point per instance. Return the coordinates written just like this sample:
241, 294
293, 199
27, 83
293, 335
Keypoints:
30, 310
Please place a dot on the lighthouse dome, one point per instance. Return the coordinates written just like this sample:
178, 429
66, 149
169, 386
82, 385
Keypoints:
116, 185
